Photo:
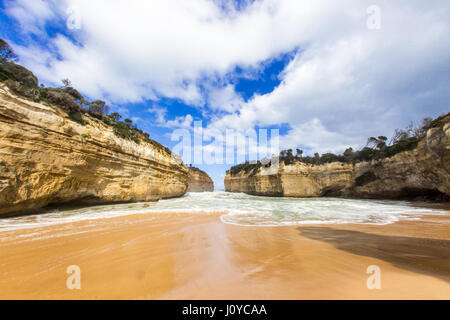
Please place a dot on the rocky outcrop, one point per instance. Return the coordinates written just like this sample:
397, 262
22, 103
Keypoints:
421, 173
296, 180
47, 158
199, 181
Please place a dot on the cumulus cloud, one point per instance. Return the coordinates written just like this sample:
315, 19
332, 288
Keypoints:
344, 87
346, 82
181, 122
159, 112
165, 47
224, 99
32, 15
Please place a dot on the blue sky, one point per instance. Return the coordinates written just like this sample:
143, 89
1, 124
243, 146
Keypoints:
318, 72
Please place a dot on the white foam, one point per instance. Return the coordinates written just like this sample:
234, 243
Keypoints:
242, 209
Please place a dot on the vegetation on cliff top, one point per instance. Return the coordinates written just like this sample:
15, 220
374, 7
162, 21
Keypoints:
24, 83
197, 170
375, 149
6, 52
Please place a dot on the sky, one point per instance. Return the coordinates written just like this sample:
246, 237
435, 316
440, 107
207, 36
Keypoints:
327, 75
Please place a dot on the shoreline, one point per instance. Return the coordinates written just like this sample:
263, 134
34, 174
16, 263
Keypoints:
444, 205
424, 200
196, 256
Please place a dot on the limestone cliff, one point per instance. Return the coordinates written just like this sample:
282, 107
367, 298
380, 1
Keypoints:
419, 173
199, 181
46, 158
296, 180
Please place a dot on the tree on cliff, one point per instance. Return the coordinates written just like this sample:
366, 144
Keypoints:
116, 116
6, 52
379, 143
349, 154
316, 158
66, 83
99, 107
417, 131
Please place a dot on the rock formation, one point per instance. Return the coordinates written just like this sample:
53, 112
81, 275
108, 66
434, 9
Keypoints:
420, 173
199, 181
47, 158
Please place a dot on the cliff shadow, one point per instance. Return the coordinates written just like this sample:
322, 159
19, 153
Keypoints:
421, 255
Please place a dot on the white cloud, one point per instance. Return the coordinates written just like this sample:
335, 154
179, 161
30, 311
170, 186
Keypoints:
314, 136
345, 87
159, 112
345, 83
224, 99
166, 47
160, 115
31, 14
185, 122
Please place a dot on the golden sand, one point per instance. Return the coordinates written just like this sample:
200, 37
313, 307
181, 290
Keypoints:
196, 256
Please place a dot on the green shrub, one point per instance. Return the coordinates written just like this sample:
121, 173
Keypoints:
331, 157
247, 167
62, 99
85, 136
23, 90
6, 52
12, 71
407, 144
75, 94
366, 154
98, 108
23, 83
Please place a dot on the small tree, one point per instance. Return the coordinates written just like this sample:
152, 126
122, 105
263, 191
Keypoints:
129, 122
316, 158
420, 131
400, 135
379, 143
329, 158
66, 83
349, 155
6, 52
412, 131
116, 116
99, 107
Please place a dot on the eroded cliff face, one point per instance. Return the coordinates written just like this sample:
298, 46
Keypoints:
420, 173
296, 180
199, 181
45, 158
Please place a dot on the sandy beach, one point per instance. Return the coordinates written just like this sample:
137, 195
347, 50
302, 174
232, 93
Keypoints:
196, 256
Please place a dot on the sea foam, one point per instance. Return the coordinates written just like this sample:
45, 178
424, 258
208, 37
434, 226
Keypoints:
242, 209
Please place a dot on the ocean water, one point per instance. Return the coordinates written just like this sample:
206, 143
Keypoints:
242, 209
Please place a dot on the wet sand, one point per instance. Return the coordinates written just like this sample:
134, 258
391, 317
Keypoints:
196, 256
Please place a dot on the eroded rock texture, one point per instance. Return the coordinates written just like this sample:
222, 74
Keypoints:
46, 158
199, 181
422, 173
